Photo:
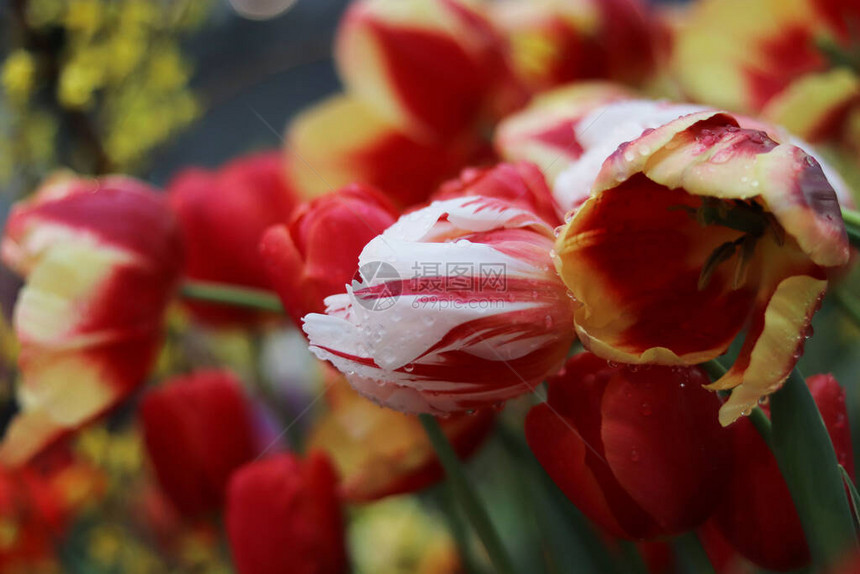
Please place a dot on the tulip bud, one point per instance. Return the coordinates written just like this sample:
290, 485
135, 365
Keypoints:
731, 229
756, 514
316, 255
457, 308
431, 67
557, 41
283, 516
223, 214
343, 140
101, 260
639, 451
388, 452
521, 184
198, 429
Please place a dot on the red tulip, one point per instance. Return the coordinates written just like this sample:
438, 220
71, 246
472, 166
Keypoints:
638, 451
756, 514
198, 429
283, 516
521, 184
223, 214
101, 260
317, 254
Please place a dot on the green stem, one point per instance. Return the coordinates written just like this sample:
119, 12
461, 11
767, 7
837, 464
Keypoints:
808, 464
458, 529
692, 554
852, 490
224, 294
467, 497
852, 225
848, 303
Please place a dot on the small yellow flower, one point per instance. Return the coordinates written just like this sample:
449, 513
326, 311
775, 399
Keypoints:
19, 75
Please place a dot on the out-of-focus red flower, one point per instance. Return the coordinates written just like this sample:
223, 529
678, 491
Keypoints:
343, 140
223, 214
521, 184
437, 68
316, 255
32, 519
756, 514
558, 41
101, 259
283, 515
198, 429
456, 307
640, 452
380, 452
693, 232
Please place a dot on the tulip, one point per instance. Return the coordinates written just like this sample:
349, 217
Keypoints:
545, 131
556, 41
698, 230
436, 68
457, 308
198, 429
316, 255
743, 64
379, 452
521, 184
101, 260
343, 140
756, 514
638, 451
223, 214
570, 132
283, 516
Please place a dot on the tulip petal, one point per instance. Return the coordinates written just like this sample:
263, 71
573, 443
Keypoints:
678, 486
342, 141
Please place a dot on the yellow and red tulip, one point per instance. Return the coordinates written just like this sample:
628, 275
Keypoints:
101, 260
223, 214
380, 452
554, 42
436, 68
545, 132
458, 307
344, 140
639, 451
698, 230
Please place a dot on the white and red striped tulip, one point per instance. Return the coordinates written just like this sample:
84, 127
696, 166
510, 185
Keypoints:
417, 334
101, 259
